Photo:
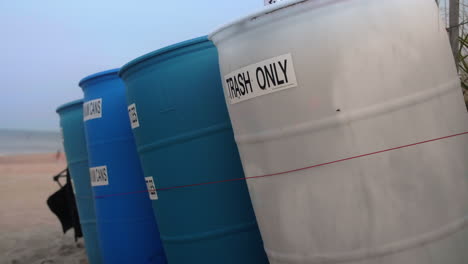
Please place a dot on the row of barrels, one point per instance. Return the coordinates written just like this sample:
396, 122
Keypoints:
309, 132
185, 127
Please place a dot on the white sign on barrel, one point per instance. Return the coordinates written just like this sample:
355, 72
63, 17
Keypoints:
268, 76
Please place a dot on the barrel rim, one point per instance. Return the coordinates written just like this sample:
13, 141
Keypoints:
69, 105
98, 75
263, 11
161, 51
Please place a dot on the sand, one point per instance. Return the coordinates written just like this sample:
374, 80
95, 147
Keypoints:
29, 232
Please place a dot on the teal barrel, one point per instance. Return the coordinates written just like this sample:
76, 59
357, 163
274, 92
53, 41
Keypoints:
74, 143
184, 137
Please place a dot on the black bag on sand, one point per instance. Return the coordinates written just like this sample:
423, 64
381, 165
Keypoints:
62, 203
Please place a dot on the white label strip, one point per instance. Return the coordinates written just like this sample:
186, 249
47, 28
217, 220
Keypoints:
132, 113
269, 2
92, 109
99, 176
151, 188
269, 76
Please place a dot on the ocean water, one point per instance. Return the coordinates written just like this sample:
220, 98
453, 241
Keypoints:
28, 142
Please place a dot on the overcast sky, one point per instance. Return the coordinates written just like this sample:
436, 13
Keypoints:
47, 46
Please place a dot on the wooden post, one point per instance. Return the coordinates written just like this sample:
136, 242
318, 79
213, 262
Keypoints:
454, 28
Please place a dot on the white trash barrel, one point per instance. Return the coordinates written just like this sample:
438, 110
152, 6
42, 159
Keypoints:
311, 82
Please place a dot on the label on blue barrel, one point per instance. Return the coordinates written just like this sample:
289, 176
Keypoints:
99, 176
151, 188
132, 113
265, 77
92, 109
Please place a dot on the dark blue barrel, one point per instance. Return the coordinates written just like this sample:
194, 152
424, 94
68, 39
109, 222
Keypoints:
184, 137
128, 231
74, 143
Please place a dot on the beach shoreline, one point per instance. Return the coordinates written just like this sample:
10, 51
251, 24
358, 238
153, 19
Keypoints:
31, 233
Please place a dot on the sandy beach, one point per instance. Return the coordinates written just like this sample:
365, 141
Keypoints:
30, 232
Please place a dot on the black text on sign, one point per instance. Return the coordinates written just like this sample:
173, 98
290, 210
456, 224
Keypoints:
269, 76
99, 176
92, 109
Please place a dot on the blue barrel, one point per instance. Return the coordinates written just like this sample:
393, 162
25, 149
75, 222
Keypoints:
74, 143
184, 137
128, 231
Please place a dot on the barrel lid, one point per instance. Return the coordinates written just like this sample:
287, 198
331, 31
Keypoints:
98, 76
264, 11
161, 51
69, 105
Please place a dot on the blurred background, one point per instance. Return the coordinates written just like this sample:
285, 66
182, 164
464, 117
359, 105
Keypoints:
454, 14
48, 46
